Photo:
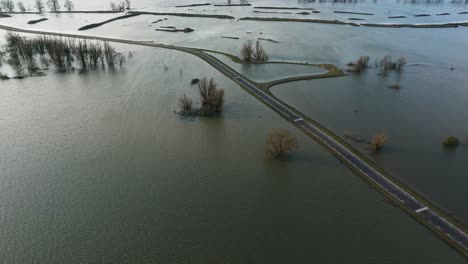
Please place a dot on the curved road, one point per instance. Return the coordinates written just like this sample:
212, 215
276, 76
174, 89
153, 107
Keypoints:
421, 210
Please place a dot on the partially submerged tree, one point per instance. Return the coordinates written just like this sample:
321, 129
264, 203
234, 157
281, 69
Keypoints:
113, 6
57, 50
128, 4
7, 5
21, 7
81, 52
259, 55
361, 64
185, 106
69, 6
39, 5
247, 51
110, 54
211, 97
53, 5
387, 64
377, 142
279, 143
253, 53
400, 62
121, 6
95, 54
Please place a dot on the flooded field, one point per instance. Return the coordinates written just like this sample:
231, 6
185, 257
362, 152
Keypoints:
98, 167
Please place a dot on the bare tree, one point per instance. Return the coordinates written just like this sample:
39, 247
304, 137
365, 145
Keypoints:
21, 7
53, 5
259, 55
128, 4
81, 52
110, 54
69, 6
361, 64
113, 6
247, 51
95, 54
280, 143
27, 50
121, 59
185, 105
121, 6
211, 97
377, 142
7, 5
39, 5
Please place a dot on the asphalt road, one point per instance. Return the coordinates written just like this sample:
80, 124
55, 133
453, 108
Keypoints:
432, 218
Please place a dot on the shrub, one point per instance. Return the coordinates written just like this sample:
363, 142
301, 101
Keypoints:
451, 141
185, 105
395, 86
377, 142
361, 64
279, 143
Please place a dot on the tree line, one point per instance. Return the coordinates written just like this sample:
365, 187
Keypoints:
54, 6
39, 6
61, 52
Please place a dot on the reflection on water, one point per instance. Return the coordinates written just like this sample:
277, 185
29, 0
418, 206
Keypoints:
97, 168
429, 107
270, 71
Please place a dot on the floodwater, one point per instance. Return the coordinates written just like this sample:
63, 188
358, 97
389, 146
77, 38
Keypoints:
96, 167
429, 106
270, 71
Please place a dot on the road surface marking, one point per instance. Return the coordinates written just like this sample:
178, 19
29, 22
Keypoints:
299, 119
421, 210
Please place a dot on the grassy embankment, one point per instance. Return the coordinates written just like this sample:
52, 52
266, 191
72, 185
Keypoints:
32, 22
318, 21
332, 70
337, 22
181, 14
95, 25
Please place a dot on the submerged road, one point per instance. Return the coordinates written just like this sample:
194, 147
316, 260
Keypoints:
422, 211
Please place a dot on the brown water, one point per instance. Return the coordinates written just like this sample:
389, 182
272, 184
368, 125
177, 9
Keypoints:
416, 119
97, 168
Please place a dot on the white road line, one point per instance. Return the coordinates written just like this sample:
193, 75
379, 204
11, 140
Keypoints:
421, 210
